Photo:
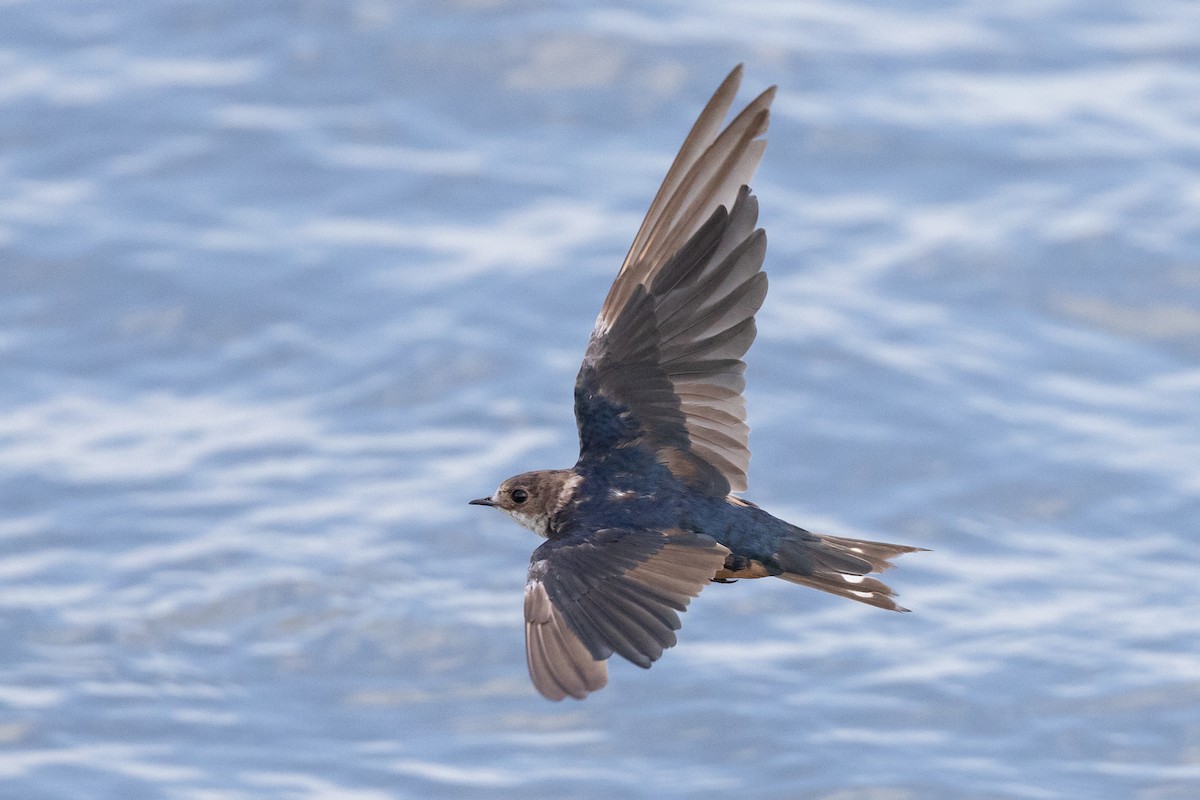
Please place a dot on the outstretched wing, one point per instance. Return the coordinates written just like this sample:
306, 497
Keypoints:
593, 594
707, 172
663, 367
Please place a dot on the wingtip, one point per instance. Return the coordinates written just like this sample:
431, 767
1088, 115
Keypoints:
735, 78
729, 86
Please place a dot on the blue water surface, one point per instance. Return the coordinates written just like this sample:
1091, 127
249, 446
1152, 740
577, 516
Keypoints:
283, 285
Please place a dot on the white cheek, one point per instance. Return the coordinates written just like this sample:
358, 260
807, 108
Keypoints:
529, 521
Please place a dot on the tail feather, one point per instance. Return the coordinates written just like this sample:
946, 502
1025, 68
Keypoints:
839, 566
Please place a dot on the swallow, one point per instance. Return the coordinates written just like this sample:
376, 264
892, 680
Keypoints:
648, 517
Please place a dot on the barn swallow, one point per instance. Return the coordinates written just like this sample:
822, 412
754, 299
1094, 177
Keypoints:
646, 518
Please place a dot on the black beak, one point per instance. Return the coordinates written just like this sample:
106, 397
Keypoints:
483, 501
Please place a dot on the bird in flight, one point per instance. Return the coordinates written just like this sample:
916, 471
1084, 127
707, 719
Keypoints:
646, 518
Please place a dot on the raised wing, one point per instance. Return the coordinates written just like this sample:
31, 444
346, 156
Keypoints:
610, 591
707, 172
663, 367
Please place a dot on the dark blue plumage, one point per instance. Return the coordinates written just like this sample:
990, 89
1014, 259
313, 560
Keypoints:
646, 517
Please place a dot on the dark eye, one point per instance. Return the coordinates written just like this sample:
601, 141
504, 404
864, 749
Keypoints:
519, 496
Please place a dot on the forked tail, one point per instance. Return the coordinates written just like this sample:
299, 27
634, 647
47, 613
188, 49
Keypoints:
841, 566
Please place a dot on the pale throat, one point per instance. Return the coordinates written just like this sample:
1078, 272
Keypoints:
538, 523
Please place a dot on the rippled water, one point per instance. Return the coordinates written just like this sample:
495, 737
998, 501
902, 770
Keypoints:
283, 285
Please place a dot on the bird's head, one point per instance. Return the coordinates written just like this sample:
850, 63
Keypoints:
533, 498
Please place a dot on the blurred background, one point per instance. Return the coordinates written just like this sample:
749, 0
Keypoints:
283, 285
